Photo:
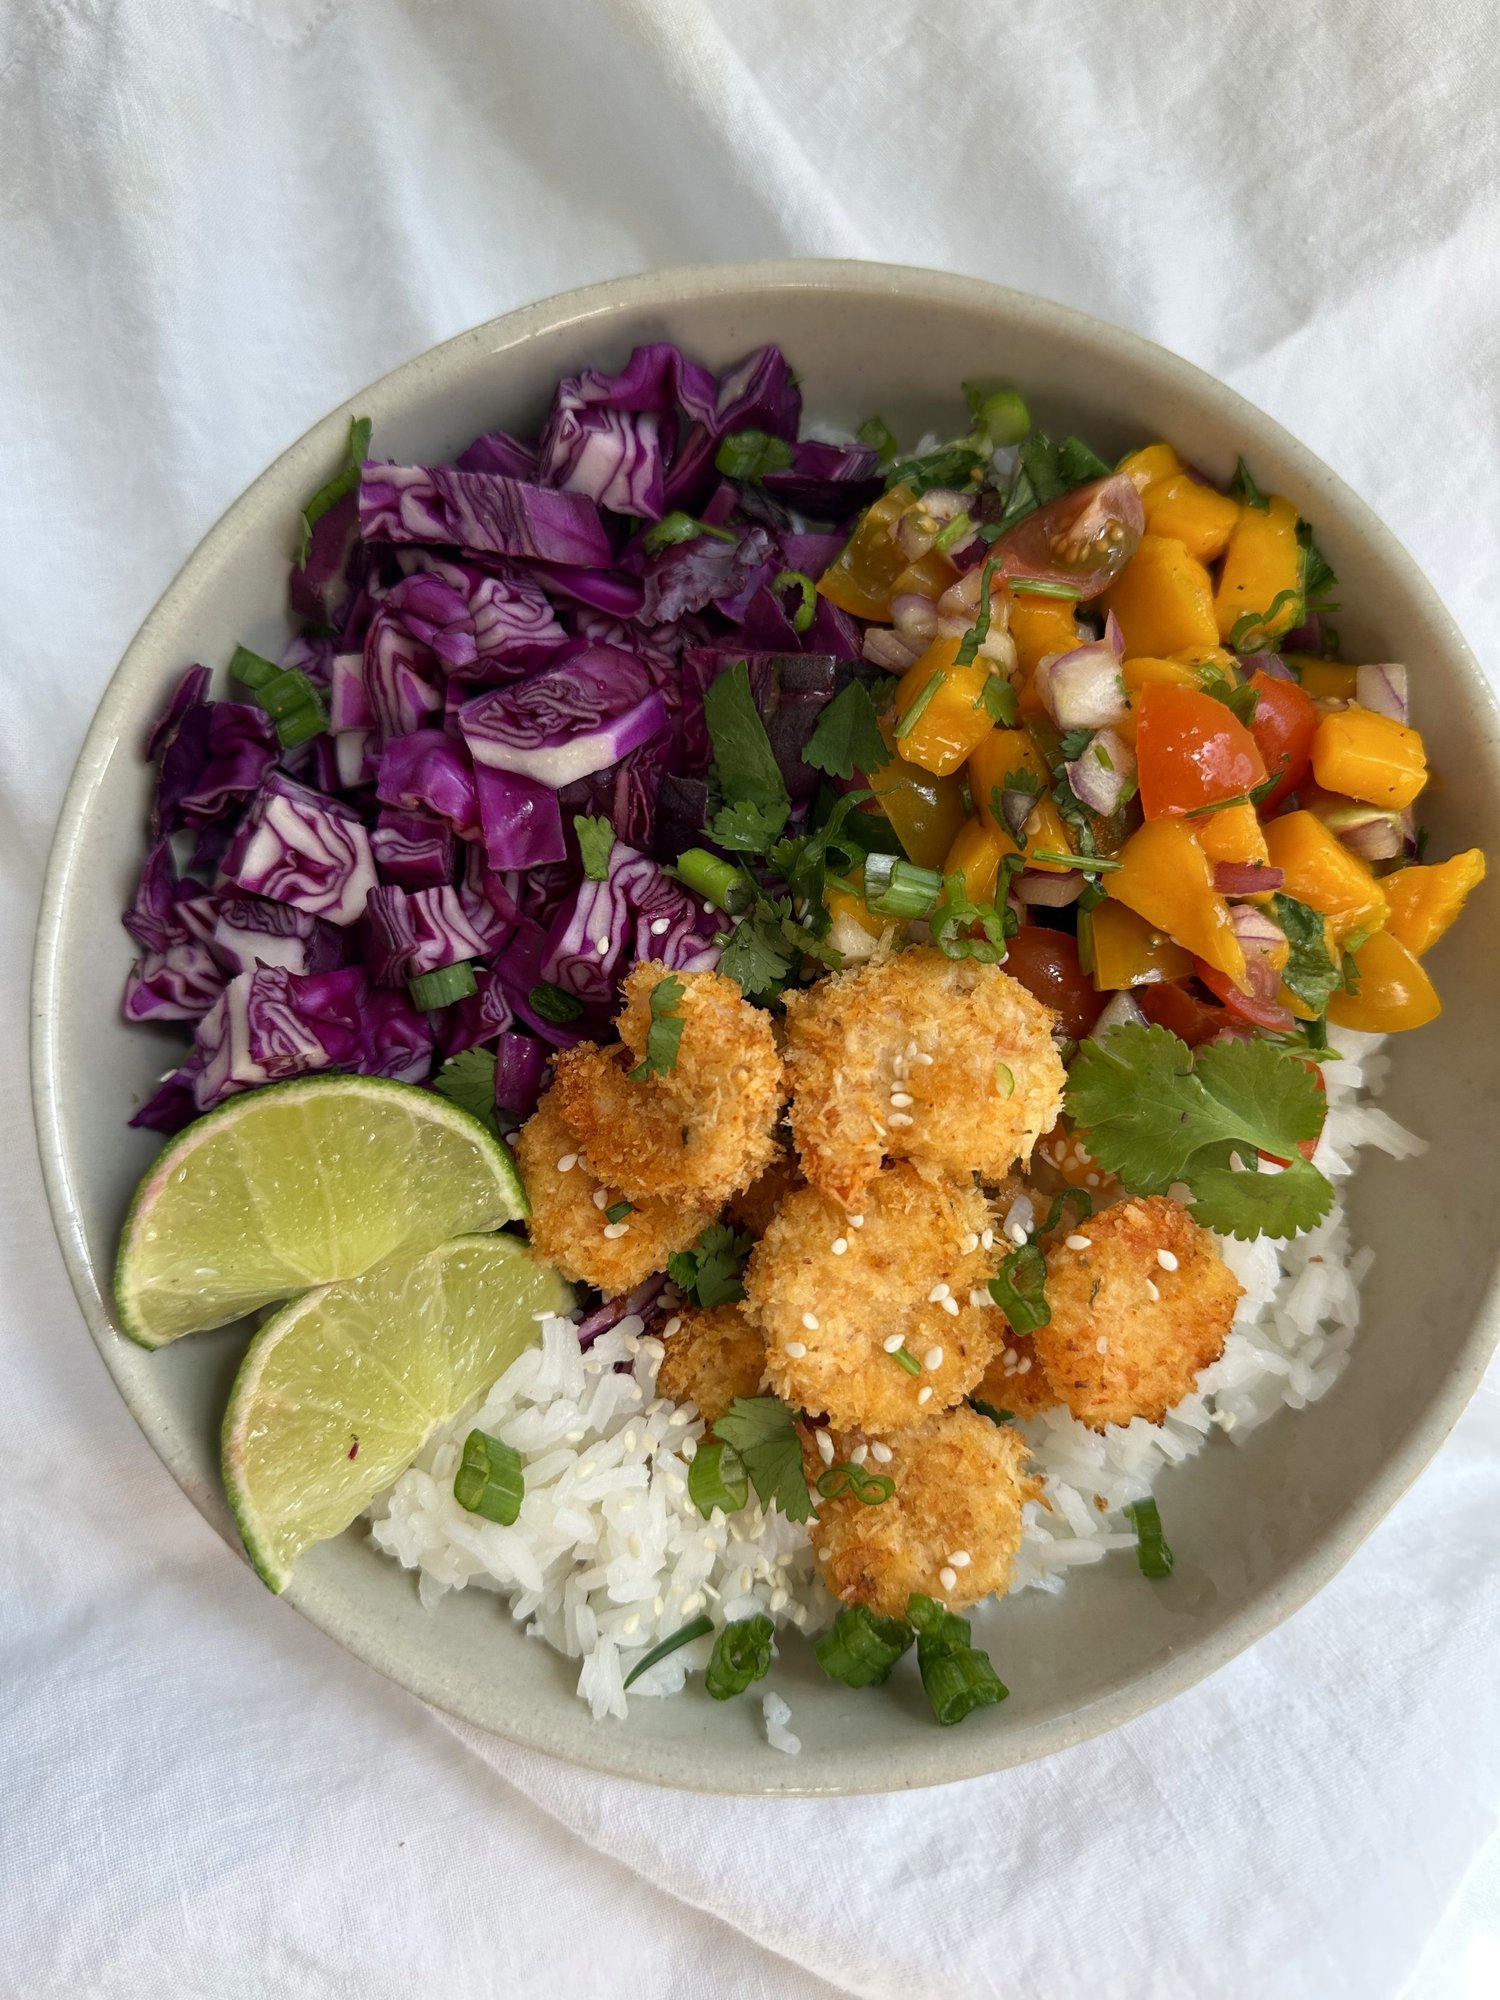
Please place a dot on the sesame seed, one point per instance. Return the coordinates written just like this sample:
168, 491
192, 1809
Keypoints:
660, 926
894, 1342
839, 1245
601, 945
924, 1395
1023, 1367
960, 1559
632, 1624
615, 1230
809, 1320
933, 1358
1016, 1233
1012, 1354
901, 1099
922, 1056
1225, 1419
901, 1119
856, 1222
987, 1239
1101, 1345
947, 1578
1167, 1261
1077, 1242
825, 1446
658, 1607
673, 1325
745, 1578
567, 1163
795, 1349
600, 1198
971, 1244
779, 1600
980, 1298
937, 1294
1091, 1180
881, 1453
950, 1306
1153, 1290
911, 1049
859, 1454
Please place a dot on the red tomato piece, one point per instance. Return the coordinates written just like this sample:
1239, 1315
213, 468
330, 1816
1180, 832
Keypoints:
1263, 1010
1284, 725
1046, 963
1083, 539
1193, 752
1175, 1006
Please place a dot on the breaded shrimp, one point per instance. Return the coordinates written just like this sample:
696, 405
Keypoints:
951, 1528
569, 1226
911, 1270
701, 1130
1137, 1311
1016, 1380
944, 1062
711, 1358
754, 1207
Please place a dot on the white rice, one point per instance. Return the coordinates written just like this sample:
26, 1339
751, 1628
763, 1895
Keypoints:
609, 1556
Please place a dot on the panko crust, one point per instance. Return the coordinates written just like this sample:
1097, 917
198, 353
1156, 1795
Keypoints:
755, 1205
961, 1482
1155, 1346
712, 1357
567, 1225
697, 1133
916, 1236
969, 1046
1016, 1380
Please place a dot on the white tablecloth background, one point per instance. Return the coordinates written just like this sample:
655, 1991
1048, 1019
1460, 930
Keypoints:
216, 220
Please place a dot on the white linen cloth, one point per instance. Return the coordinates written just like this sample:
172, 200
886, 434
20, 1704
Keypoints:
217, 218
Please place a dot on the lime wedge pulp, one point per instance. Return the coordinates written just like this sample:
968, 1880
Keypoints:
300, 1184
340, 1390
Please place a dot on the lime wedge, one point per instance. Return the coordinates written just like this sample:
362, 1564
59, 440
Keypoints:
339, 1391
299, 1184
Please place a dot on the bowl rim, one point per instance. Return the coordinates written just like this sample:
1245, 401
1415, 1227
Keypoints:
616, 1752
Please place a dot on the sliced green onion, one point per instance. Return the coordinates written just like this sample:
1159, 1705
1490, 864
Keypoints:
1151, 1550
252, 670
717, 1478
742, 1654
342, 482
1037, 586
878, 435
1086, 864
618, 1210
696, 1628
708, 875
989, 1410
800, 581
1019, 1289
489, 1480
919, 707
956, 1676
999, 412
871, 1489
896, 888
904, 1358
957, 528
679, 527
554, 1003
752, 454
285, 693
1005, 1079
301, 724
441, 988
862, 1647
1071, 1197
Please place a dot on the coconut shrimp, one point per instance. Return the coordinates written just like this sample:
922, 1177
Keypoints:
698, 1131
712, 1356
943, 1062
879, 1317
950, 1529
754, 1207
1141, 1301
570, 1221
1016, 1380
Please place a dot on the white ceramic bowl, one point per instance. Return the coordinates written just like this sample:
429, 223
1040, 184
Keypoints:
1256, 1529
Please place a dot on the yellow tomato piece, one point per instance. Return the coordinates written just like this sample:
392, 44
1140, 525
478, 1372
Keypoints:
1128, 952
845, 907
1322, 873
1262, 573
1004, 751
1324, 680
1040, 626
1424, 902
925, 811
1394, 992
860, 577
939, 709
1370, 757
1165, 877
1152, 462
928, 576
976, 854
1191, 513
1163, 599
1199, 657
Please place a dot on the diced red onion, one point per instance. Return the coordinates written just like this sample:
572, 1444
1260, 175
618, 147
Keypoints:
1367, 831
1046, 890
1083, 689
1104, 771
1119, 1012
1264, 943
1246, 878
885, 648
961, 600
921, 524
1015, 809
1383, 688
1270, 664
915, 618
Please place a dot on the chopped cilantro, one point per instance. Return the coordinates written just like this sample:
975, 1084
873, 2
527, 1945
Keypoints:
1318, 576
468, 1080
878, 435
998, 700
988, 1410
596, 840
1252, 629
1041, 462
847, 737
748, 826
950, 465
1078, 463
743, 757
979, 631
752, 454
664, 1036
1153, 1113
710, 1271
679, 527
1244, 489
762, 1431
757, 954
1310, 971
1241, 700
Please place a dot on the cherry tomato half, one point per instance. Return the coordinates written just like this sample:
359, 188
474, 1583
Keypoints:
1263, 1010
1083, 538
1284, 725
1192, 751
1175, 1006
1046, 963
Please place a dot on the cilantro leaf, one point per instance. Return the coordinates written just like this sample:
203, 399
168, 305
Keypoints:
762, 1431
1253, 1204
710, 1271
756, 954
949, 465
751, 454
596, 842
664, 1036
998, 700
1041, 462
847, 737
1153, 1114
1078, 463
1310, 971
1244, 489
468, 1080
1318, 576
1241, 700
743, 757
878, 435
748, 826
